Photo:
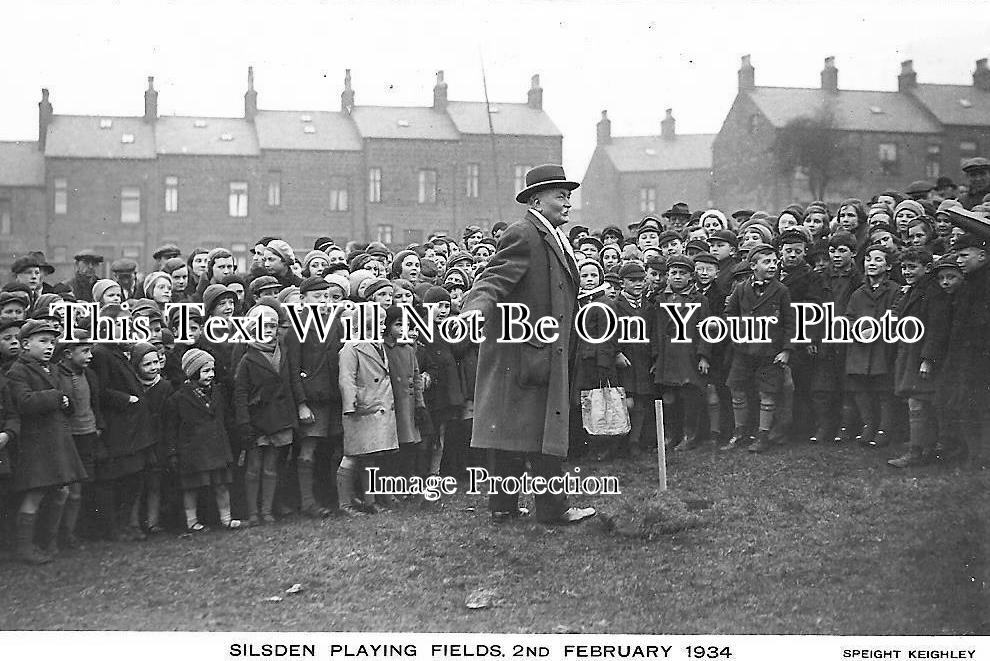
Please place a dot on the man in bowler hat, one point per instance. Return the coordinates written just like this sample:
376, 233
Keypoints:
521, 395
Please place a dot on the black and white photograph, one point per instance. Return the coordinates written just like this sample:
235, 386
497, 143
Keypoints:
661, 320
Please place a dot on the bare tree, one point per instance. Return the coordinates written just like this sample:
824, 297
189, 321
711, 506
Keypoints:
813, 145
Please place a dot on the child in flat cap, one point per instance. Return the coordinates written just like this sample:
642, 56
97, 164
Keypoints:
45, 458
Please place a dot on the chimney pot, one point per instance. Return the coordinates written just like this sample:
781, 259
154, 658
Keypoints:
830, 75
908, 78
604, 129
534, 97
45, 115
746, 74
668, 125
150, 101
347, 96
250, 97
981, 76
440, 93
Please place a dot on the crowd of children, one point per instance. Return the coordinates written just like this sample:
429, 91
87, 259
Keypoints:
120, 440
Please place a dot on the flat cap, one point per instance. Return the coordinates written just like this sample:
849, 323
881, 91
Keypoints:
166, 250
632, 270
976, 163
35, 326
123, 265
88, 255
680, 260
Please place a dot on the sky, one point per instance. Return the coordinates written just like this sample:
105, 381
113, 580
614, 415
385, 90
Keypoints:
632, 58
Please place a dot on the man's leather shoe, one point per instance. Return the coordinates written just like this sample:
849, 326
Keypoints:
574, 515
511, 515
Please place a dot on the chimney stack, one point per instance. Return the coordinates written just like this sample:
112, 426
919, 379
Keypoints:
250, 98
440, 93
534, 97
667, 125
908, 79
347, 96
605, 129
830, 75
747, 74
45, 114
150, 102
981, 76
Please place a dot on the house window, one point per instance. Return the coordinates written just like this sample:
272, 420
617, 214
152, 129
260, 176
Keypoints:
274, 188
240, 253
412, 236
385, 234
171, 194
6, 213
132, 252
887, 152
647, 200
933, 161
61, 197
130, 204
237, 200
427, 186
519, 180
472, 180
338, 194
374, 185
967, 150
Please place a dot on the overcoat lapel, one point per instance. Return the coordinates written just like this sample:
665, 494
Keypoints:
569, 266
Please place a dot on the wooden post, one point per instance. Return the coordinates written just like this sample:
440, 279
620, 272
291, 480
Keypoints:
661, 449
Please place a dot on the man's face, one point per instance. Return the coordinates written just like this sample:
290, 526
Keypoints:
970, 259
222, 267
31, 276
125, 279
949, 280
792, 254
86, 267
554, 204
979, 180
258, 256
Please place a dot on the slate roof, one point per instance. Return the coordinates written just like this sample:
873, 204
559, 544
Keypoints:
955, 105
21, 164
396, 122
286, 129
854, 110
653, 153
471, 117
205, 136
80, 136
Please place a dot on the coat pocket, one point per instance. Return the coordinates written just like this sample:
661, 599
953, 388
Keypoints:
534, 364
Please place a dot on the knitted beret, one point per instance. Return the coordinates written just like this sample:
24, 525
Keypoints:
193, 360
315, 254
152, 278
102, 286
282, 249
368, 288
436, 295
337, 280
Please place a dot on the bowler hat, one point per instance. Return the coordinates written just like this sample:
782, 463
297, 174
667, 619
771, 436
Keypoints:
677, 209
43, 263
542, 177
21, 264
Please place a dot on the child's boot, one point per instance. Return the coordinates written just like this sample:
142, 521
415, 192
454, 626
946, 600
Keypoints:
762, 443
26, 550
345, 489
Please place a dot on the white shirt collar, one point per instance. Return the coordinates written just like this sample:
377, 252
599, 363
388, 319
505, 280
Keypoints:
558, 234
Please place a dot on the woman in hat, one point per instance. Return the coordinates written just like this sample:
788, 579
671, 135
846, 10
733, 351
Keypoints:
158, 287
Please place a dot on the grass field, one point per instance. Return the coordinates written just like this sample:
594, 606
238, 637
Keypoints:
817, 540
